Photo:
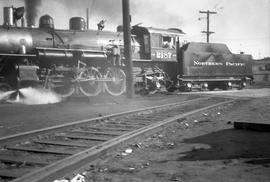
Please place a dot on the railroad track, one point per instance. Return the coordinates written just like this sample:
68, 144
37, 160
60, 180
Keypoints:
47, 154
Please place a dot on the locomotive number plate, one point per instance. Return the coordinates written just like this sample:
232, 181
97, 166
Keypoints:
163, 55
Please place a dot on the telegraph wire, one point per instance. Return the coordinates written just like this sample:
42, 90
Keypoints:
208, 32
249, 38
193, 19
91, 7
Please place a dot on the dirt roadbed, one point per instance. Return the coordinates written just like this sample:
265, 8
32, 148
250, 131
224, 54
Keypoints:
201, 148
18, 118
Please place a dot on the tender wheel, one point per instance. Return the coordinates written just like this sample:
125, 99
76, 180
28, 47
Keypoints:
116, 84
170, 86
188, 87
224, 87
60, 85
242, 85
211, 87
144, 92
89, 82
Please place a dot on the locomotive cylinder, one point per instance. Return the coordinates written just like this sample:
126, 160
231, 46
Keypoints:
8, 16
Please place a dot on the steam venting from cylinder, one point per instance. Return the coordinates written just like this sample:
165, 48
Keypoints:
30, 96
31, 7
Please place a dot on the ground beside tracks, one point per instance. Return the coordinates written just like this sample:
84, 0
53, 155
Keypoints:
18, 118
201, 148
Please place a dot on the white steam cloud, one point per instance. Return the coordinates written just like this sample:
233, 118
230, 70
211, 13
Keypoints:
5, 95
31, 96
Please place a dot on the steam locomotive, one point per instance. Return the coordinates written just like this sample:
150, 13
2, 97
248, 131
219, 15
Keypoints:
89, 62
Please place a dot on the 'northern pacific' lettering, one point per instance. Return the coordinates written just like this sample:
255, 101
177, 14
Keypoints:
198, 63
234, 64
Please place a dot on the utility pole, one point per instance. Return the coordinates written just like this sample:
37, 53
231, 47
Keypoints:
207, 32
127, 48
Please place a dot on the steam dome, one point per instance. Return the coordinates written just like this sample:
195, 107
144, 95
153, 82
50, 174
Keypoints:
46, 21
77, 23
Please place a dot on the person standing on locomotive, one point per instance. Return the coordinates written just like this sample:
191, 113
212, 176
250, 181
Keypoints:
101, 25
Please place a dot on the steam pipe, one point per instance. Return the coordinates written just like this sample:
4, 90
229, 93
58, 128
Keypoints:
64, 54
22, 22
87, 18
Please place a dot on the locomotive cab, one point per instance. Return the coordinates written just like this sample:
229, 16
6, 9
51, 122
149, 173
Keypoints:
157, 65
158, 44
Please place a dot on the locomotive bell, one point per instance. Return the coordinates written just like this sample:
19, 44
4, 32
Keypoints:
119, 28
18, 13
46, 22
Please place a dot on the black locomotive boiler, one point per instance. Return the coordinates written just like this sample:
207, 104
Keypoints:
86, 61
92, 61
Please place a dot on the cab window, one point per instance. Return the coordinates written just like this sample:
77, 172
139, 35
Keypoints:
156, 40
146, 43
168, 42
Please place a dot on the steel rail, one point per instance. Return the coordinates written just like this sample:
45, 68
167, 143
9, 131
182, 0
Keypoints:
13, 138
219, 94
75, 162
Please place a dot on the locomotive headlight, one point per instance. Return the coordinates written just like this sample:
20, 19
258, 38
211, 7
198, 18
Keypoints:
189, 85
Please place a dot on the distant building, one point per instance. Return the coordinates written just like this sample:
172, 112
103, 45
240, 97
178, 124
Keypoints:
261, 70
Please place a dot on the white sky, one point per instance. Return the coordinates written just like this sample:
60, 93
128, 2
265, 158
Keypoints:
244, 25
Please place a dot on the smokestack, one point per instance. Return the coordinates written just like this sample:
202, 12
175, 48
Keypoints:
31, 7
8, 16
